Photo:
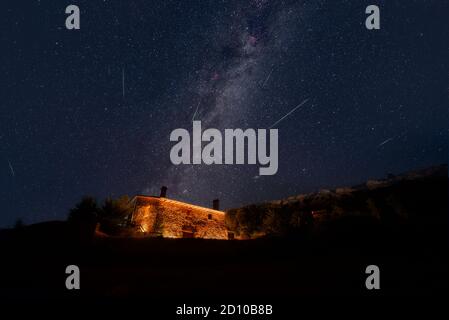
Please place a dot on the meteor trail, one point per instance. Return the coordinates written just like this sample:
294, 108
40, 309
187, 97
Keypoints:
384, 142
193, 118
289, 113
12, 169
268, 77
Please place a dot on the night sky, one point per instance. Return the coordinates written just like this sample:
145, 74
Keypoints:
90, 111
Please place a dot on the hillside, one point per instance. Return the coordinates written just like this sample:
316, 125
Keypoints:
416, 198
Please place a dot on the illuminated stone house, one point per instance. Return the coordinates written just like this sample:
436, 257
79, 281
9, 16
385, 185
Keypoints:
160, 216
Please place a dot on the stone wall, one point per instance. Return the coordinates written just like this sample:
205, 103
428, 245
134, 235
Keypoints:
175, 219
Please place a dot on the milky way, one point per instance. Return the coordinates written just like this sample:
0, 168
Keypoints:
228, 89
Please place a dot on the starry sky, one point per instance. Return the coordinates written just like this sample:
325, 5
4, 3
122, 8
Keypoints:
90, 111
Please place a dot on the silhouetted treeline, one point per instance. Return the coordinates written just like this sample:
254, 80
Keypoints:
110, 217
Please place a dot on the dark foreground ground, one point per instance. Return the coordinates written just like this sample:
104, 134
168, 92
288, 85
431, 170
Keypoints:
34, 268
297, 276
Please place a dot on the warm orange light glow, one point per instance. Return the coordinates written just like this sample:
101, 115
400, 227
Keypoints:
175, 219
184, 204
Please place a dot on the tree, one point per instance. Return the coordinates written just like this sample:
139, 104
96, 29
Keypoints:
114, 213
116, 208
85, 211
83, 219
272, 222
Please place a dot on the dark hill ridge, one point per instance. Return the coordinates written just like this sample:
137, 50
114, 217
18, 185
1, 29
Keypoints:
414, 198
440, 171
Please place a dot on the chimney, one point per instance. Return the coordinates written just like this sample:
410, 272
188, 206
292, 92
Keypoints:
216, 204
163, 192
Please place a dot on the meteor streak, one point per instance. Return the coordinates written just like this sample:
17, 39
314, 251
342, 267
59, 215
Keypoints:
289, 113
12, 169
268, 77
384, 142
193, 118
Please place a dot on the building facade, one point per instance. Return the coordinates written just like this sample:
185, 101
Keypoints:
160, 216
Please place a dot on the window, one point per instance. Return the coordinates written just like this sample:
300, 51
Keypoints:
209, 216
